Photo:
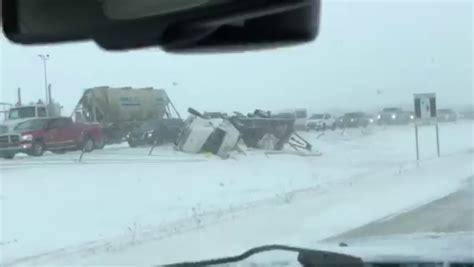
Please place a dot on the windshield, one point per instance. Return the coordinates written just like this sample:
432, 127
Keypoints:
31, 125
21, 113
329, 142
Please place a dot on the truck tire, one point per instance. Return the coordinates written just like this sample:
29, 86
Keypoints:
99, 144
87, 144
37, 149
132, 144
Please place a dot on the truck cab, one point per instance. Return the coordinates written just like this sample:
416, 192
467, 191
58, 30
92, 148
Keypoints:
20, 114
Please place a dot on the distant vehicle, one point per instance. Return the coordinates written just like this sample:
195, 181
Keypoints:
320, 122
157, 132
446, 115
354, 120
468, 114
393, 116
300, 119
299, 115
35, 136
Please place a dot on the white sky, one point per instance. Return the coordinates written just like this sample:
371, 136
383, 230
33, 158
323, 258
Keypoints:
398, 47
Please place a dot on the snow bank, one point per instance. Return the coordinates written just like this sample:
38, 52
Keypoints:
121, 206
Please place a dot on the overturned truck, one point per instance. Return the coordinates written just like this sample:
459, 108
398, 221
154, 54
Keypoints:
258, 130
121, 110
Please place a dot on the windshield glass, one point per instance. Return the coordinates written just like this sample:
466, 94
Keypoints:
21, 113
321, 144
31, 125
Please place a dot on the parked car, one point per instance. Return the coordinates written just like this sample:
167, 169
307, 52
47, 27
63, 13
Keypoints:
446, 115
393, 116
320, 122
354, 120
60, 134
157, 131
468, 114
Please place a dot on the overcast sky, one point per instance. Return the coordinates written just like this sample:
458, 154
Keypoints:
397, 47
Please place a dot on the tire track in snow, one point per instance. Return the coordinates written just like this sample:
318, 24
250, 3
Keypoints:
181, 226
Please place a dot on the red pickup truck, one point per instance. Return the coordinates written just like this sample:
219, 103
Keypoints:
50, 134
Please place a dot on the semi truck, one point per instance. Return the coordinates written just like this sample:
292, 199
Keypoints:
122, 110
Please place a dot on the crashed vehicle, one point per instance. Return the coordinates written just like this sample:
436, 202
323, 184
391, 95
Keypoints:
263, 131
122, 110
393, 116
58, 135
257, 130
201, 134
155, 132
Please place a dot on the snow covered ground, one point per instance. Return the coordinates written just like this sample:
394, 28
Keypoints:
121, 206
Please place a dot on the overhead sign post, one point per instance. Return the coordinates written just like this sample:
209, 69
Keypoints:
425, 114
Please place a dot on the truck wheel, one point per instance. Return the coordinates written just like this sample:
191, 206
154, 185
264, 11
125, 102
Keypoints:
8, 155
37, 149
132, 144
88, 144
99, 144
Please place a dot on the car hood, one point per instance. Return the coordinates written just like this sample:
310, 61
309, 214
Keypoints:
13, 123
406, 248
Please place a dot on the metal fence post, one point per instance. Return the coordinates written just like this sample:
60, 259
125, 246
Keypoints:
437, 140
417, 148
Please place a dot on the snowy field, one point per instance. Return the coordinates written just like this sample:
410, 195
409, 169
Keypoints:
121, 206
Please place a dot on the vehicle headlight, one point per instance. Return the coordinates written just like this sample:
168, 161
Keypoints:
149, 134
394, 116
379, 117
27, 137
371, 120
412, 117
352, 120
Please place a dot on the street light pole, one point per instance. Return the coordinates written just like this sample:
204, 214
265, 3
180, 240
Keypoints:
44, 58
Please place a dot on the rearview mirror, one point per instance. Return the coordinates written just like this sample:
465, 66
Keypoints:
175, 25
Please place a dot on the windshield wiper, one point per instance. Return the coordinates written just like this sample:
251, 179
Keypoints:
306, 257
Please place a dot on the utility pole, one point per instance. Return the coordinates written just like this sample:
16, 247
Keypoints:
44, 58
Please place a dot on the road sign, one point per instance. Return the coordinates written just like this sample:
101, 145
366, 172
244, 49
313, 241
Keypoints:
425, 114
425, 108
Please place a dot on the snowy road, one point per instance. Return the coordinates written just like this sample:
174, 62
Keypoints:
450, 214
121, 206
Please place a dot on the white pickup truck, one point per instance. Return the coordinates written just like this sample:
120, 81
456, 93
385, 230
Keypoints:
320, 122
